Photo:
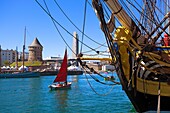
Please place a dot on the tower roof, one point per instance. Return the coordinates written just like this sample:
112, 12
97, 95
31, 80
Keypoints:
36, 43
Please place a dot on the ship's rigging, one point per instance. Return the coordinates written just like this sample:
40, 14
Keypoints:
146, 14
137, 35
56, 23
96, 51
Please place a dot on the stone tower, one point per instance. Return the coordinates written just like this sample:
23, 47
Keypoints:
35, 51
75, 45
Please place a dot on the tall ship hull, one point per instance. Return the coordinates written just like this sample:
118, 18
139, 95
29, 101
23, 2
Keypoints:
137, 36
142, 65
145, 94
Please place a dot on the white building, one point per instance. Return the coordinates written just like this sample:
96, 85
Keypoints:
8, 55
52, 61
26, 54
108, 67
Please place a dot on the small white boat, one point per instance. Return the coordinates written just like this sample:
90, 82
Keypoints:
60, 86
60, 81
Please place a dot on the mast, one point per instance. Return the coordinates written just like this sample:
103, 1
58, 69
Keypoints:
167, 10
121, 14
16, 58
168, 2
0, 58
149, 10
23, 52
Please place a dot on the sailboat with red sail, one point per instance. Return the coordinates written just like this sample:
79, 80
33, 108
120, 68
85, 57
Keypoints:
60, 82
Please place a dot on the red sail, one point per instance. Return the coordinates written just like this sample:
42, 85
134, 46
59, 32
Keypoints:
62, 74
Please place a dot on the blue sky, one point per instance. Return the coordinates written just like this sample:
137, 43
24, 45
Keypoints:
16, 14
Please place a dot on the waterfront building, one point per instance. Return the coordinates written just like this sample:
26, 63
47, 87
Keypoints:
35, 51
20, 56
96, 65
52, 61
108, 68
7, 56
55, 62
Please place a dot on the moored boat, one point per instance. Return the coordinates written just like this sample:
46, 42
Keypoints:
20, 75
141, 64
137, 36
109, 78
52, 73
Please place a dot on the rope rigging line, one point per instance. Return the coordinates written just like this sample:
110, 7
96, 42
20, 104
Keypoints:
53, 20
68, 46
98, 7
57, 27
106, 9
140, 12
130, 11
84, 21
107, 35
96, 54
83, 34
95, 90
94, 48
62, 26
85, 67
75, 25
146, 16
152, 12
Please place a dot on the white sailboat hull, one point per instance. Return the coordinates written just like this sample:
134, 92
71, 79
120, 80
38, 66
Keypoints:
55, 86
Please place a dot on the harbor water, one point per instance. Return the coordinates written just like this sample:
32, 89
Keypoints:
32, 95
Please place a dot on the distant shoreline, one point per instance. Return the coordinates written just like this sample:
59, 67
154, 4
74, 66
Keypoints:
74, 72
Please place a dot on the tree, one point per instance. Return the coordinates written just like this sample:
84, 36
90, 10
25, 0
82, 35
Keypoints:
6, 63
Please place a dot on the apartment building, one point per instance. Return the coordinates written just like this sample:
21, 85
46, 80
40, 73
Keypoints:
8, 55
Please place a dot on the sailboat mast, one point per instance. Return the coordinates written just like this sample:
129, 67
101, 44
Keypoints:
16, 58
0, 58
168, 9
23, 52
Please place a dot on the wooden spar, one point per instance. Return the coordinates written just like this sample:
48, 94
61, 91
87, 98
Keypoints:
0, 58
23, 55
163, 29
16, 58
121, 14
90, 58
159, 26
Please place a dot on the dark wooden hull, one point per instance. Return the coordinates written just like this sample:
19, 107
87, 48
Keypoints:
141, 101
20, 75
142, 67
146, 102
